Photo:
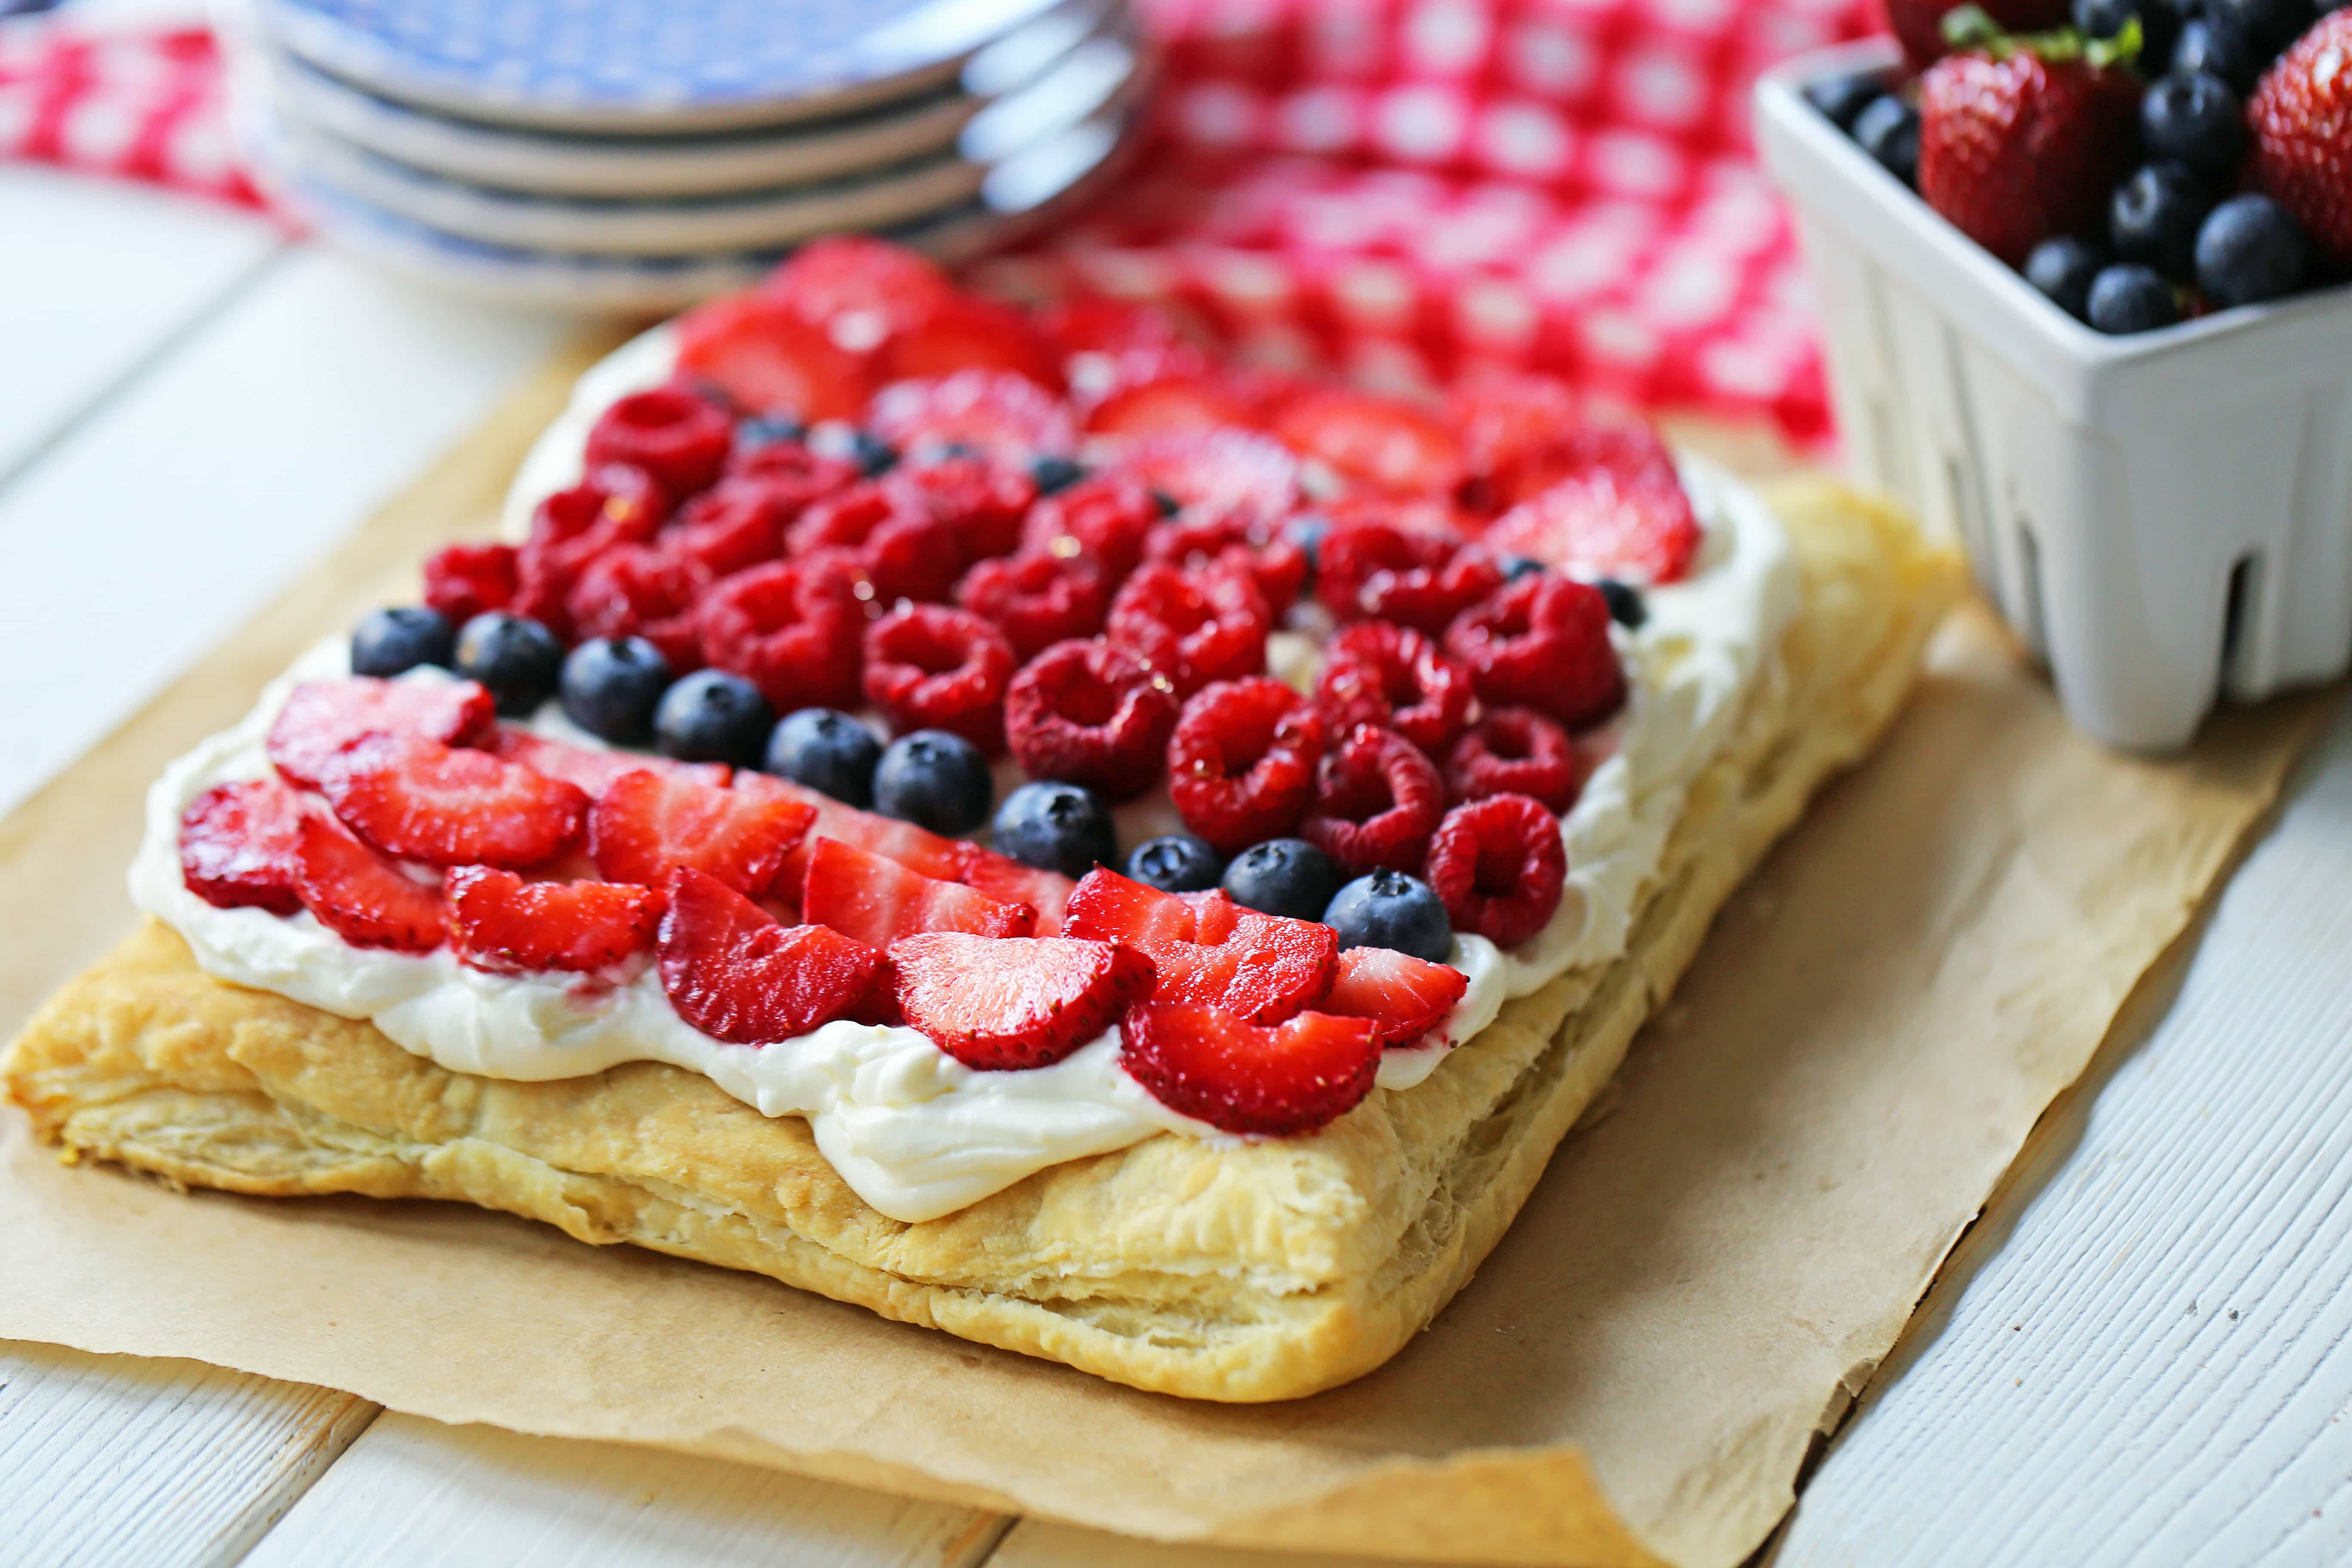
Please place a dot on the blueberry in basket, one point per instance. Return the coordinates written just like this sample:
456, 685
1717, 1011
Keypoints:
2249, 251
2130, 297
2156, 216
1888, 130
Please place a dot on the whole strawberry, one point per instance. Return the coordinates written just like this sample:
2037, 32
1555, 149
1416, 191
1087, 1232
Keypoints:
2301, 115
1919, 24
2015, 148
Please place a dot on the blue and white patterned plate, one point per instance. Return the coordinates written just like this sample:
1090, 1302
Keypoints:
638, 67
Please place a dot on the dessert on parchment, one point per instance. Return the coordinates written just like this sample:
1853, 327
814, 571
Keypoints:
1005, 821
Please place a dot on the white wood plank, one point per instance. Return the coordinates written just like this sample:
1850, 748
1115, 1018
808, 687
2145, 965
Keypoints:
1037, 1543
2155, 1365
413, 1491
112, 1459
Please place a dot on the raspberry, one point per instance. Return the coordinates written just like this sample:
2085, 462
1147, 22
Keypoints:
680, 439
1394, 679
981, 503
1421, 579
796, 476
1037, 600
1086, 713
1515, 751
614, 503
1499, 865
931, 667
793, 628
1240, 765
728, 527
1377, 800
1107, 516
461, 581
1192, 627
1260, 548
906, 554
1543, 643
999, 413
642, 591
1217, 473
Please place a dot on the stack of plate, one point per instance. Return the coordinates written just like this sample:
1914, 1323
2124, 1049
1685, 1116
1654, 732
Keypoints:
639, 155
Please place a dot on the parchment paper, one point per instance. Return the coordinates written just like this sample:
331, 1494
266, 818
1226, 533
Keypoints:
1702, 1282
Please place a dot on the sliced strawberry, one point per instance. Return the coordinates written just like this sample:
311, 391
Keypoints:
361, 896
860, 290
1386, 442
239, 845
322, 717
591, 771
424, 801
875, 899
503, 924
738, 975
1209, 950
1405, 997
998, 413
1025, 1002
912, 846
1008, 881
1219, 473
1506, 422
966, 333
1180, 400
1240, 1077
761, 352
1098, 325
1633, 523
647, 825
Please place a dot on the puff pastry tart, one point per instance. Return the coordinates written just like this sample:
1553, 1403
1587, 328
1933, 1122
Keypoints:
1001, 820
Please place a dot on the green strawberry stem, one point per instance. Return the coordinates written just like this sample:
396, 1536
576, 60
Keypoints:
1972, 27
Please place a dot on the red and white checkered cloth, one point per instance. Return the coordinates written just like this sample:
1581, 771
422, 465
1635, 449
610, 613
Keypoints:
1397, 189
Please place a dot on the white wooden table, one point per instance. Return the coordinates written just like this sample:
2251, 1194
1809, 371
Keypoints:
2139, 1358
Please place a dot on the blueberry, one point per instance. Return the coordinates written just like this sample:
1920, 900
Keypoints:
1840, 98
768, 430
2159, 25
2194, 117
518, 660
1054, 474
611, 686
2155, 216
1389, 908
386, 642
826, 749
1283, 877
1518, 566
872, 454
2269, 25
1625, 606
711, 716
2129, 298
1179, 863
1889, 131
1056, 826
2250, 250
1169, 505
934, 779
2063, 269
1307, 532
2212, 46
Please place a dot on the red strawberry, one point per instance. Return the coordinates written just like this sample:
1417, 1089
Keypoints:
877, 901
912, 846
793, 629
1000, 413
1165, 402
1097, 325
1507, 423
738, 975
1022, 1002
2301, 115
1240, 1078
1602, 524
860, 290
1405, 997
322, 717
462, 581
646, 825
591, 771
1386, 442
765, 355
1008, 881
1209, 950
680, 439
361, 896
1220, 473
239, 845
2016, 150
1920, 23
424, 801
966, 333
503, 924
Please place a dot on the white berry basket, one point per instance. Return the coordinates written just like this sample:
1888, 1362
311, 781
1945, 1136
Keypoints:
2164, 519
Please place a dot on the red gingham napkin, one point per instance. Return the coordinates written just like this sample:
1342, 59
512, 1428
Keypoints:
144, 105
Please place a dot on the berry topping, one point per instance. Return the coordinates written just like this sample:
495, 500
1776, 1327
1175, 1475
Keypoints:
906, 553
1390, 910
1209, 951
2015, 149
390, 642
614, 505
1239, 1077
1386, 442
1402, 997
1088, 713
1008, 881
1026, 1002
1285, 877
1037, 599
461, 581
912, 846
361, 896
420, 799
996, 413
826, 749
591, 771
1377, 800
1241, 762
1543, 643
503, 924
517, 660
1106, 517
1416, 577
795, 629
936, 780
680, 439
1606, 521
1386, 675
787, 470
2302, 117
861, 290
610, 687
961, 331
769, 359
928, 667
1178, 863
1058, 827
1218, 473
642, 591
240, 846
734, 525
1054, 475
322, 717
1499, 865
1277, 561
736, 974
1515, 751
1192, 628
983, 503
875, 899
713, 717
646, 825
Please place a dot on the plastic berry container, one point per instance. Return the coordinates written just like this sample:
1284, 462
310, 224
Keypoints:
2165, 519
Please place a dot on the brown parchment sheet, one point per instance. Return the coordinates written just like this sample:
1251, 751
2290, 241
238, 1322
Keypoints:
1702, 1282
